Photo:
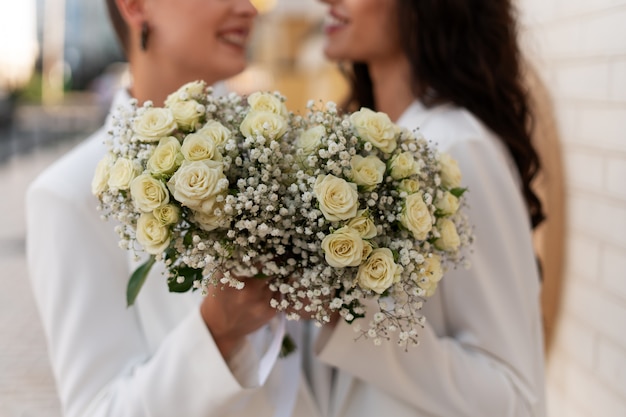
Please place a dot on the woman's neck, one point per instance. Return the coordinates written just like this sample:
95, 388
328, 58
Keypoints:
148, 84
391, 81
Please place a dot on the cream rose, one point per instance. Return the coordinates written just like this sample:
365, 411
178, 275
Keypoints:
215, 131
367, 249
99, 182
449, 238
151, 234
122, 174
343, 248
310, 140
448, 204
450, 172
210, 221
197, 147
191, 90
416, 217
376, 128
267, 124
379, 271
267, 102
367, 172
403, 165
363, 225
338, 199
196, 184
409, 186
154, 123
187, 114
433, 274
148, 193
167, 214
166, 157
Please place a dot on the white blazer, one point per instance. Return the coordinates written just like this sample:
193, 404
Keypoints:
480, 352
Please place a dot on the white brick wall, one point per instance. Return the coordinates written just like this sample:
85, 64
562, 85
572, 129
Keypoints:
579, 47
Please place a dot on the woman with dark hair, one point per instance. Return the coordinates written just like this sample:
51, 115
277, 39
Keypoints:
453, 70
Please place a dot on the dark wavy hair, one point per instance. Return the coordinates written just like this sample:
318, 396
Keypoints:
466, 52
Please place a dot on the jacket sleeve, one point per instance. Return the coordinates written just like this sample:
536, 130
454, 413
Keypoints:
488, 360
99, 354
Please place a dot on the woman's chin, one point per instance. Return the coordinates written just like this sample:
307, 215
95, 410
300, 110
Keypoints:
334, 54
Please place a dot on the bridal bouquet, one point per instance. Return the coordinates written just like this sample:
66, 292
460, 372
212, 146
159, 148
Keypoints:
335, 210
198, 185
378, 219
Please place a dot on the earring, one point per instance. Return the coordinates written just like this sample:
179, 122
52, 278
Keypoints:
145, 31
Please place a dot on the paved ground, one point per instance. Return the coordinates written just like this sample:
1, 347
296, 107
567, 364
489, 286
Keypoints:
26, 384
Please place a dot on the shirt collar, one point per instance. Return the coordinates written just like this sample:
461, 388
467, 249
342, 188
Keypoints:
120, 99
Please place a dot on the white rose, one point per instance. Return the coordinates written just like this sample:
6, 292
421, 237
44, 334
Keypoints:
367, 172
379, 271
215, 131
166, 157
338, 199
410, 186
122, 174
101, 175
403, 165
449, 240
416, 217
167, 214
433, 274
450, 172
267, 102
187, 114
210, 221
196, 184
197, 147
376, 128
264, 123
448, 204
151, 234
153, 124
148, 193
367, 249
192, 90
343, 248
363, 225
310, 140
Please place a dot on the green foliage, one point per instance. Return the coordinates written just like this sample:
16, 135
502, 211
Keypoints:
458, 192
137, 279
189, 274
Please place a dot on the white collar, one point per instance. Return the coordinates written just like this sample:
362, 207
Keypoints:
120, 99
416, 114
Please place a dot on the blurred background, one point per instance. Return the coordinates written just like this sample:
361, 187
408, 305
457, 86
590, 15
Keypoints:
60, 65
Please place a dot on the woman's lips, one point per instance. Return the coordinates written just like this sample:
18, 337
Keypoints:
334, 23
235, 37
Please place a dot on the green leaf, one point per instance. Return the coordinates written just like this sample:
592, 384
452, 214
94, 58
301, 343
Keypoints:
137, 279
458, 192
187, 239
189, 274
288, 346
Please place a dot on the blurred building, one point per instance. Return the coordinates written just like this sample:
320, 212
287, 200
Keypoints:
89, 44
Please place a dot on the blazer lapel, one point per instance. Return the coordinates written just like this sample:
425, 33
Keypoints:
342, 382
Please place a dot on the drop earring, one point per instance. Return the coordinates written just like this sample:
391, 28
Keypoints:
145, 31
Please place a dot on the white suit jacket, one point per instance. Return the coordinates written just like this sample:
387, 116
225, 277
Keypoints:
480, 352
